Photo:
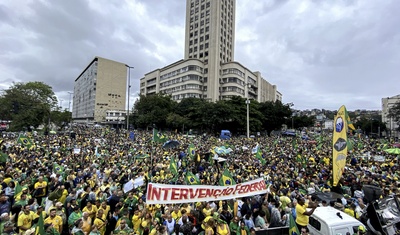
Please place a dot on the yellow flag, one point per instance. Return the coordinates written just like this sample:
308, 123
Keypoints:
339, 145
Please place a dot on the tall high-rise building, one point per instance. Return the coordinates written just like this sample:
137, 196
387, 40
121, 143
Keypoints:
208, 69
100, 92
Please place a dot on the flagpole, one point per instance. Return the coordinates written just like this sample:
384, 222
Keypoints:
151, 158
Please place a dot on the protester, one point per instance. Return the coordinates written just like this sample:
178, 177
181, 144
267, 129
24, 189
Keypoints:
83, 180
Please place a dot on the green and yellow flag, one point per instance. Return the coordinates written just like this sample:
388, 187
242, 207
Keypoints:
348, 121
226, 179
17, 190
192, 179
259, 156
340, 145
158, 137
58, 169
40, 226
173, 167
191, 151
24, 141
293, 230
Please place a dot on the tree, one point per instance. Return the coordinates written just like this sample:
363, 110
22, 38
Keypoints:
300, 121
61, 118
394, 113
27, 104
371, 125
154, 109
276, 114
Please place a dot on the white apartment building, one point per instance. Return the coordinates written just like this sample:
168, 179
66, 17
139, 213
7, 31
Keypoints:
391, 125
100, 88
208, 70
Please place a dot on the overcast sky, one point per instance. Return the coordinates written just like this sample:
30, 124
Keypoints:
320, 54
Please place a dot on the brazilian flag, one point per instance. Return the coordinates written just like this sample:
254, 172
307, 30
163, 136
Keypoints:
192, 179
24, 141
191, 151
293, 230
173, 167
58, 169
226, 179
259, 157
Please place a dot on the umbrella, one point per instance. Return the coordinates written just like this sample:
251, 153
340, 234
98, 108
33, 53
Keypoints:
393, 151
170, 144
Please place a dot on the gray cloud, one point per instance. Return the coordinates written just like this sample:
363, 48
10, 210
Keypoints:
320, 54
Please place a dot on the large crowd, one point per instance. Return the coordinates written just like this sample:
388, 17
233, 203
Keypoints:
74, 184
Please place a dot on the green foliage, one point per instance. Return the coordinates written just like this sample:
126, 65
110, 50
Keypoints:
204, 116
300, 121
370, 125
27, 104
154, 109
276, 114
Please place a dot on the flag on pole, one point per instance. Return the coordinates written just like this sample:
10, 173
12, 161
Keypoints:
348, 121
259, 157
173, 167
226, 179
192, 179
191, 151
339, 145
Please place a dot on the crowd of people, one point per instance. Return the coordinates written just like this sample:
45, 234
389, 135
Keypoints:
74, 184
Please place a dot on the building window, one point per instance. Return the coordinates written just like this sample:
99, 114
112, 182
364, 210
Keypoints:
207, 28
206, 45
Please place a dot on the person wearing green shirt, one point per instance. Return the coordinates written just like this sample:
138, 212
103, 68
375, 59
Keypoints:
74, 216
234, 225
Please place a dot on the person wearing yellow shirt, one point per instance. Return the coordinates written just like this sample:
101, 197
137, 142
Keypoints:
136, 221
105, 208
63, 196
302, 213
91, 209
39, 211
40, 188
99, 223
207, 211
104, 186
25, 219
176, 214
351, 211
87, 223
55, 220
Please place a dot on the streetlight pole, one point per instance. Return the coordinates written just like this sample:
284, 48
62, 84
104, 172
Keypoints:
129, 93
69, 104
248, 111
248, 117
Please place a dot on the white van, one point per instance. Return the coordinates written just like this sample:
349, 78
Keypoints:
330, 221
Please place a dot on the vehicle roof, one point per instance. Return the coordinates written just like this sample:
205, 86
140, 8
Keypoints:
329, 216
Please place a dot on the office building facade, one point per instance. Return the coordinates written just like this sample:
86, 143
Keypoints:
208, 70
100, 91
391, 124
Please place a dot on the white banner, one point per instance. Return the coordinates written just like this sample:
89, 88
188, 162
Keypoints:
170, 194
